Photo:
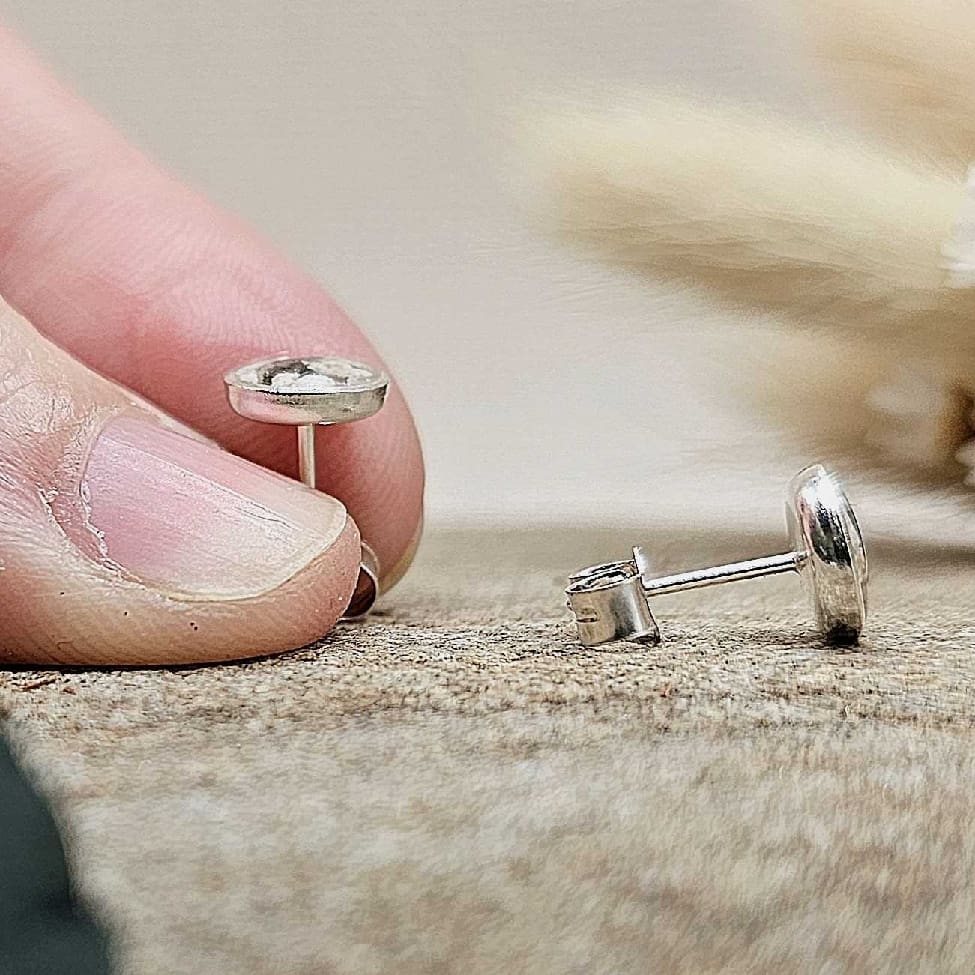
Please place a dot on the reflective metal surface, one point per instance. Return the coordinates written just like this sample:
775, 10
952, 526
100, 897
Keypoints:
832, 559
828, 553
609, 604
293, 390
366, 587
310, 391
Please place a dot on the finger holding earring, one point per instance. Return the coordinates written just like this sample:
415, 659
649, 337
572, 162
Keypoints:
305, 392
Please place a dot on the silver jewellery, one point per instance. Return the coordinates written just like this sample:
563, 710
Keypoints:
306, 392
611, 601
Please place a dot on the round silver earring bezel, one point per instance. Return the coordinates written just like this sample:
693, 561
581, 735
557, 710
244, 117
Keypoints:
832, 558
348, 390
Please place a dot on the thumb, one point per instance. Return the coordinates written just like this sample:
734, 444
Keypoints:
127, 539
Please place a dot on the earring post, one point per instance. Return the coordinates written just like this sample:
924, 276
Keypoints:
307, 471
732, 572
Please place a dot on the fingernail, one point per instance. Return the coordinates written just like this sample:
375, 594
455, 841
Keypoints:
188, 518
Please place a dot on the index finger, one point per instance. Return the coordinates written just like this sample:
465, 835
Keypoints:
151, 285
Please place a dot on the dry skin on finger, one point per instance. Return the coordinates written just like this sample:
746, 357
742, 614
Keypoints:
123, 541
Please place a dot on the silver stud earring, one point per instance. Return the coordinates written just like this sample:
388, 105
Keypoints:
305, 393
611, 601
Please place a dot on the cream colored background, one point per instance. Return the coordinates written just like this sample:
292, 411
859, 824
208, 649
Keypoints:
369, 140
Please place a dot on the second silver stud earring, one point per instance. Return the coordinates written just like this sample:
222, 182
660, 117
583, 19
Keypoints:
305, 392
611, 601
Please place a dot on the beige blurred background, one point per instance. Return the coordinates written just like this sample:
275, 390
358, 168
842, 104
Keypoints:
371, 141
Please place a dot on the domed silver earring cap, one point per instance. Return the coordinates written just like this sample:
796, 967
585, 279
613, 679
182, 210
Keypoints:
827, 552
306, 392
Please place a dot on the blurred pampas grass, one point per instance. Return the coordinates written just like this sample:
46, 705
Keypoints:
837, 239
906, 66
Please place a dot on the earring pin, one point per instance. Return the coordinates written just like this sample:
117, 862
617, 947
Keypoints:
305, 392
611, 601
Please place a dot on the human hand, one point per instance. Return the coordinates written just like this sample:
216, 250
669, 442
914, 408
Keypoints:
127, 535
